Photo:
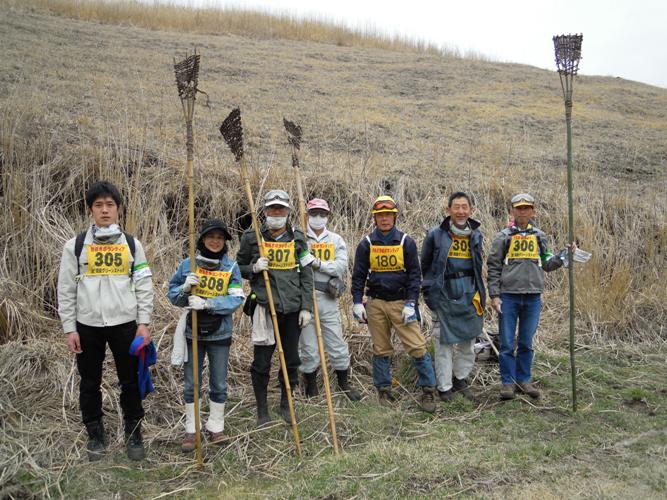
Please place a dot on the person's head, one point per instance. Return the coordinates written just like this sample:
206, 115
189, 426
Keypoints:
104, 201
213, 237
318, 213
276, 209
384, 212
459, 208
523, 209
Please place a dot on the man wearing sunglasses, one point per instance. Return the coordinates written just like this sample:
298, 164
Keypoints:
386, 270
287, 260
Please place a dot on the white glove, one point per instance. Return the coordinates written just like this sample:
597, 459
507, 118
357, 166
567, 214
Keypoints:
317, 263
359, 313
191, 280
262, 264
409, 314
304, 318
196, 303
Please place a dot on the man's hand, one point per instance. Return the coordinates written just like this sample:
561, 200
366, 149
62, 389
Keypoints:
143, 331
74, 343
317, 263
262, 264
304, 318
191, 280
359, 313
409, 314
497, 304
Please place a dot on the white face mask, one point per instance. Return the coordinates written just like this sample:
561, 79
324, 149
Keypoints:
317, 222
274, 223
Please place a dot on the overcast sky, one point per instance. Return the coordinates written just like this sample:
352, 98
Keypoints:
621, 37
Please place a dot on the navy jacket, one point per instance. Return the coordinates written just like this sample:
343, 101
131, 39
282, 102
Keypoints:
392, 285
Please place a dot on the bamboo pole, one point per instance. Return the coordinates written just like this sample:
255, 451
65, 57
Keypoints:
294, 141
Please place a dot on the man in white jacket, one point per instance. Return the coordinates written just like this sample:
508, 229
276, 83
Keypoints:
105, 296
329, 269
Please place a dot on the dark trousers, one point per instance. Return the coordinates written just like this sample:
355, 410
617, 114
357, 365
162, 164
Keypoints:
288, 325
89, 362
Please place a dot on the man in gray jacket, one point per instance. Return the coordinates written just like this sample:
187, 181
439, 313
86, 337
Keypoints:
329, 269
519, 255
105, 296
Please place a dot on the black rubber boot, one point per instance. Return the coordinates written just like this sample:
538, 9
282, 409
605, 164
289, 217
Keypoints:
284, 405
344, 384
134, 444
460, 386
259, 388
311, 384
97, 441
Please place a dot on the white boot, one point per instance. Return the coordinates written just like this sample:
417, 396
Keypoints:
216, 420
189, 418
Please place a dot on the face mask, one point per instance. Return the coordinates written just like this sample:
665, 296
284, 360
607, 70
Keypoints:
317, 222
106, 233
274, 223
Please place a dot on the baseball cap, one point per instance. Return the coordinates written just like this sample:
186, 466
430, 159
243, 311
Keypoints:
276, 197
523, 200
318, 203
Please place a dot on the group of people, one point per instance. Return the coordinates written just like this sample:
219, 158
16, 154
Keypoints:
105, 296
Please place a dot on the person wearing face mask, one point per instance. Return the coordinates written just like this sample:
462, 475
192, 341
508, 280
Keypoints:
451, 262
287, 261
215, 291
386, 269
105, 296
329, 269
519, 257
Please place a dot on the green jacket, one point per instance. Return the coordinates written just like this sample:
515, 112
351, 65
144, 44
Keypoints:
292, 289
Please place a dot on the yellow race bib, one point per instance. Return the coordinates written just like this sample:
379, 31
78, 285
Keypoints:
212, 283
387, 258
324, 251
281, 255
460, 248
108, 260
523, 247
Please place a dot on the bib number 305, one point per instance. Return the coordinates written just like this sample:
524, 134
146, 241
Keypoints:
107, 260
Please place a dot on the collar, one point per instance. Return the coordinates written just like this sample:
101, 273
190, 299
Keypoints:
446, 224
288, 234
312, 235
393, 236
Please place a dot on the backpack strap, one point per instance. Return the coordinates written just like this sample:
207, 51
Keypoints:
132, 246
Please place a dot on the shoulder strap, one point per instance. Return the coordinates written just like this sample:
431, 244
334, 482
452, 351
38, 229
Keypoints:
368, 239
78, 247
132, 246
403, 239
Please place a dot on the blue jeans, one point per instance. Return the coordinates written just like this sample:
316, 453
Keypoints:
526, 309
218, 357
382, 371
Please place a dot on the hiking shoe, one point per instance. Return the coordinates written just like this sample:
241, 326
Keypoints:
461, 387
188, 443
96, 441
310, 386
529, 388
216, 437
446, 396
344, 384
134, 444
428, 399
385, 395
507, 391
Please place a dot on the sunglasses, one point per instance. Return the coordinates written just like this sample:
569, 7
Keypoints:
384, 204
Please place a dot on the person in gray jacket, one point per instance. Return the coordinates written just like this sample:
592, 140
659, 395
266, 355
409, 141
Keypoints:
451, 262
329, 269
288, 262
519, 256
105, 296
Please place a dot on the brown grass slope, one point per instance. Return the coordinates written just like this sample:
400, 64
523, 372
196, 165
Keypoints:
83, 100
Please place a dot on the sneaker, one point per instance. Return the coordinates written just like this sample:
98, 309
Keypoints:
385, 395
446, 396
428, 399
461, 387
188, 443
529, 388
507, 391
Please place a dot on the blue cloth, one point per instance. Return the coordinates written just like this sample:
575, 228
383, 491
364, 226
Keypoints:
524, 308
393, 285
218, 359
382, 371
147, 355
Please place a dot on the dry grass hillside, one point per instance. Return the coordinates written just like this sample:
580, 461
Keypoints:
83, 99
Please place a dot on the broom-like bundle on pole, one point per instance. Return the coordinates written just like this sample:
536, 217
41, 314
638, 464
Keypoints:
294, 139
568, 53
187, 73
232, 132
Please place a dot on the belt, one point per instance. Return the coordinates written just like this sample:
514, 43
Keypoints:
460, 274
401, 295
321, 286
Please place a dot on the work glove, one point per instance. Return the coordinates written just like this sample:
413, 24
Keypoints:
409, 314
359, 313
317, 263
191, 280
262, 264
304, 318
196, 303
